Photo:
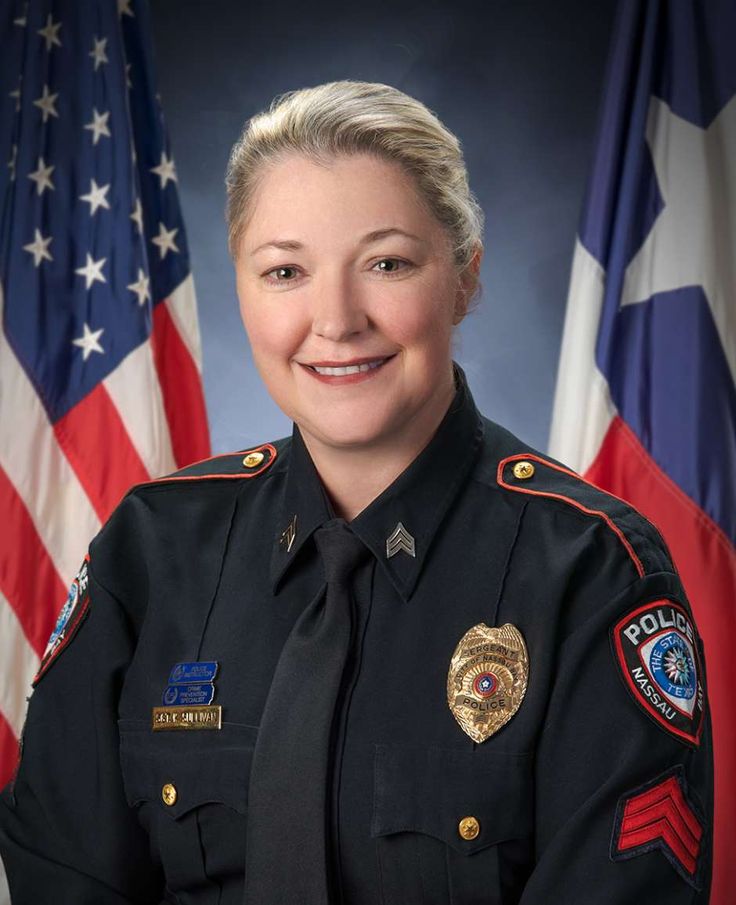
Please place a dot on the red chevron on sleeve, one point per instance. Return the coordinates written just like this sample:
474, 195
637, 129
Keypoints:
660, 815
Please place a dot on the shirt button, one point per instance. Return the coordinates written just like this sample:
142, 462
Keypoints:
168, 794
523, 470
468, 827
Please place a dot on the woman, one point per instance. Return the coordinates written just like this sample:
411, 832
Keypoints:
400, 657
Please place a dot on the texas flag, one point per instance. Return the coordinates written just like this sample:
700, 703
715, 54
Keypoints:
646, 401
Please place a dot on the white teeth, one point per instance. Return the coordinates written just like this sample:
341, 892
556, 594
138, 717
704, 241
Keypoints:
349, 369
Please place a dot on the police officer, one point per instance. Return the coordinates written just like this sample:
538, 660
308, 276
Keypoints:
399, 657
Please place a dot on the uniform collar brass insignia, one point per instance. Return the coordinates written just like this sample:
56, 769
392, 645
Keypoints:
487, 679
400, 539
288, 534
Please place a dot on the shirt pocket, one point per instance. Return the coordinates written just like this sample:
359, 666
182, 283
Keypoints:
190, 789
420, 797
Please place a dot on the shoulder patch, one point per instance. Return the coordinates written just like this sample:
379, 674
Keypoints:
70, 619
530, 473
656, 649
660, 816
247, 463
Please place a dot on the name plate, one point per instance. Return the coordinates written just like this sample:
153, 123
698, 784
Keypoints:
191, 718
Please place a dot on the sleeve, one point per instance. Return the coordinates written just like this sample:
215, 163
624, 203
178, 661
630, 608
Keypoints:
67, 834
624, 771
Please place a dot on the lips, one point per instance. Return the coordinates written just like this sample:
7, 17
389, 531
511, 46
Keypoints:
346, 371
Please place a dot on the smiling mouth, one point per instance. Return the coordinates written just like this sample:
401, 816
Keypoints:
345, 370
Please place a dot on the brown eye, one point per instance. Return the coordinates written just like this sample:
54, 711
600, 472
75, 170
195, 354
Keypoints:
282, 274
394, 265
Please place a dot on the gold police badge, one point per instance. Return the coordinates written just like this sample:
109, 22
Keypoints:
487, 679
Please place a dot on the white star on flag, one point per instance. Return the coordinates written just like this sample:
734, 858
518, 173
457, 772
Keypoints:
92, 271
98, 52
98, 125
96, 197
124, 8
39, 248
165, 170
142, 287
693, 240
165, 240
89, 341
50, 33
137, 215
46, 102
12, 162
16, 94
42, 177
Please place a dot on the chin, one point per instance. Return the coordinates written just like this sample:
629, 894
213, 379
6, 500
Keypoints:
347, 435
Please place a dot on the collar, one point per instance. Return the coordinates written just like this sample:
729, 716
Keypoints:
417, 499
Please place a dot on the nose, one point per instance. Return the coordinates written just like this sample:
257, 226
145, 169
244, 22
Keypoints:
337, 310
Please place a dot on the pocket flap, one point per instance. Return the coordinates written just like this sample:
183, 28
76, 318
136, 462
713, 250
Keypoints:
200, 770
430, 790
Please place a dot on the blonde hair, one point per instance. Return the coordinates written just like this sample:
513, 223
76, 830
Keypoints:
351, 117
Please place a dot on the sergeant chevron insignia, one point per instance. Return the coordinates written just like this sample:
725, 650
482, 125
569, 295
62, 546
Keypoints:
400, 539
487, 679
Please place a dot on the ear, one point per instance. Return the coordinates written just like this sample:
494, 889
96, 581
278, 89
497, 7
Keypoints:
467, 284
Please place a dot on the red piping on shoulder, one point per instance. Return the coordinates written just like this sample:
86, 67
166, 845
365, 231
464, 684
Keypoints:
558, 496
268, 462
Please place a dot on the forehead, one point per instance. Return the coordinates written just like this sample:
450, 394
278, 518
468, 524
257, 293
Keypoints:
347, 195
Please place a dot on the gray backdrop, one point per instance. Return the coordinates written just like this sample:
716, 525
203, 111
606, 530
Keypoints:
518, 81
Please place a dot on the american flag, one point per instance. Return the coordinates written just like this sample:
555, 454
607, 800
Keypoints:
100, 370
646, 393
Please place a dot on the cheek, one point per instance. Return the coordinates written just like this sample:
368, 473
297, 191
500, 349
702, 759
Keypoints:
423, 320
272, 330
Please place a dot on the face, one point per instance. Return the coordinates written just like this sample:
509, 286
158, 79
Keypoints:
349, 295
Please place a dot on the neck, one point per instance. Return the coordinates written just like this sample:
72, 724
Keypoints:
354, 476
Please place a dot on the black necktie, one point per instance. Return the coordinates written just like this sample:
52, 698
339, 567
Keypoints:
288, 821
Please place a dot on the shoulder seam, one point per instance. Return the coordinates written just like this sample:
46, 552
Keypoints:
176, 477
570, 501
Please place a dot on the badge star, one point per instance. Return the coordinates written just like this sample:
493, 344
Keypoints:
165, 170
137, 216
39, 248
97, 197
98, 52
42, 177
165, 240
98, 126
89, 341
693, 240
46, 103
50, 33
142, 287
92, 271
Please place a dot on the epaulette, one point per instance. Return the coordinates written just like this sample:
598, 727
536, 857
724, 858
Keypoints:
234, 466
532, 474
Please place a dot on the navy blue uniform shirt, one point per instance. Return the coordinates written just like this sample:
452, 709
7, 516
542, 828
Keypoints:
597, 789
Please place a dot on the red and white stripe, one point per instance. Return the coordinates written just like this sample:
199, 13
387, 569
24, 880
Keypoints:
59, 482
589, 435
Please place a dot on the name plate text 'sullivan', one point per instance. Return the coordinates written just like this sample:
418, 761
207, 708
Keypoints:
194, 717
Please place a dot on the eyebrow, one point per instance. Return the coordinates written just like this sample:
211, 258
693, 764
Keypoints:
373, 236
